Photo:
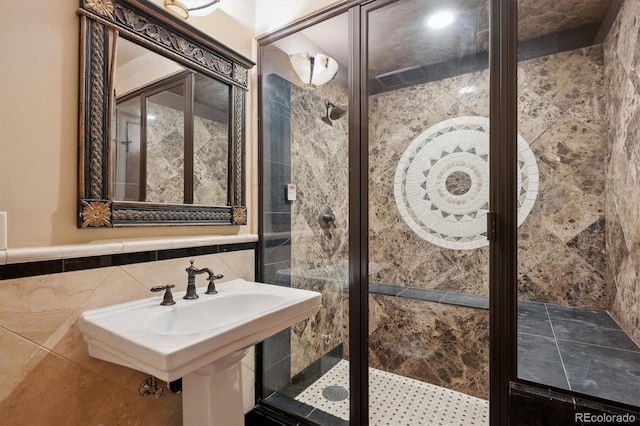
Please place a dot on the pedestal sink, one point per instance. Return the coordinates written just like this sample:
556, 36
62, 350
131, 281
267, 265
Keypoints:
201, 341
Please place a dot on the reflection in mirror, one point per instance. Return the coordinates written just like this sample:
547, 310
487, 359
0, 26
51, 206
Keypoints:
126, 151
165, 142
171, 131
211, 141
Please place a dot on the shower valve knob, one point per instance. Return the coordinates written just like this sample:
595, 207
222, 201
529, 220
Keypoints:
329, 217
326, 217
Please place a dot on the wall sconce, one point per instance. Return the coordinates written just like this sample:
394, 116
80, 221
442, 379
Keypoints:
314, 71
186, 8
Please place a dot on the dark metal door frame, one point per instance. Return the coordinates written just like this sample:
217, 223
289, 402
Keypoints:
358, 225
502, 221
502, 268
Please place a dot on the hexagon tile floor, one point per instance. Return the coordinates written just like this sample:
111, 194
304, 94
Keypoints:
397, 400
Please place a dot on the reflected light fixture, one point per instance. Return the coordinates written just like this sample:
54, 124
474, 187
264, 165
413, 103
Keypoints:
187, 8
314, 71
440, 19
467, 90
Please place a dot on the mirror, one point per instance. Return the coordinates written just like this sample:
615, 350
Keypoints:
162, 120
164, 111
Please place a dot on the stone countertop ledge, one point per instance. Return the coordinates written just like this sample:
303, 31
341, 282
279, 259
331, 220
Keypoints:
36, 254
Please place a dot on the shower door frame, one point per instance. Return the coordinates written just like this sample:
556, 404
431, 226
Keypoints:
502, 218
502, 265
502, 221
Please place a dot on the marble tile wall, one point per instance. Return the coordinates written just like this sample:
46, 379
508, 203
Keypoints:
210, 161
165, 158
436, 343
561, 243
165, 154
622, 96
46, 374
536, 17
320, 169
560, 115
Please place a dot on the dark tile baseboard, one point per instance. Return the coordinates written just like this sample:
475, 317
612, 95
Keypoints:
29, 269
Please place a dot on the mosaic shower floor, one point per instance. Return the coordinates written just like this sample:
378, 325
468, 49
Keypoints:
397, 400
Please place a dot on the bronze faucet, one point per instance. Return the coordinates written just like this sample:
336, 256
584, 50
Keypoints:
192, 271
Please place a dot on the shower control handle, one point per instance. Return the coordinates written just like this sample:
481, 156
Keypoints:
326, 217
329, 217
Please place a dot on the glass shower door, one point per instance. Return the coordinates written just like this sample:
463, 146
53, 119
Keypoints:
427, 82
305, 219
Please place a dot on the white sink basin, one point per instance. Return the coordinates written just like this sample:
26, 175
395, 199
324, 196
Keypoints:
170, 342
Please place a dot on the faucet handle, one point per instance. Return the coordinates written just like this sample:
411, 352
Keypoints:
168, 296
211, 288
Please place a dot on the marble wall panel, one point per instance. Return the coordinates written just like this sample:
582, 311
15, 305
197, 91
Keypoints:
165, 155
536, 17
440, 344
561, 115
319, 334
210, 161
395, 120
46, 374
319, 253
622, 96
165, 158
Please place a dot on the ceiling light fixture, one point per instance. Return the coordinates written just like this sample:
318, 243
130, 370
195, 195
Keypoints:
314, 71
186, 8
440, 19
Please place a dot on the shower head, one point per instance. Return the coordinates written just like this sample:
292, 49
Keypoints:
334, 112
338, 111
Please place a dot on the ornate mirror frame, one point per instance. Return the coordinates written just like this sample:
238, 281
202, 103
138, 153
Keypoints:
101, 21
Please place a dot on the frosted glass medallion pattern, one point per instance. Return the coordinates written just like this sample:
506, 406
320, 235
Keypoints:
441, 184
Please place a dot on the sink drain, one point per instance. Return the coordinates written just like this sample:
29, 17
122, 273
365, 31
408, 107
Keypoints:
335, 393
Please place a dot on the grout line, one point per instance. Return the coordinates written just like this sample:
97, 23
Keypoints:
591, 324
600, 346
537, 335
555, 339
582, 324
622, 328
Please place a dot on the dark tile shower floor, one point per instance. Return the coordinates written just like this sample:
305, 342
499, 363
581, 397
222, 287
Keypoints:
579, 349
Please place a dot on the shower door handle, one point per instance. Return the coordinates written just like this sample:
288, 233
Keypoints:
491, 226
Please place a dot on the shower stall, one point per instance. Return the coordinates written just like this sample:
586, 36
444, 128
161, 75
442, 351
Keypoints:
461, 185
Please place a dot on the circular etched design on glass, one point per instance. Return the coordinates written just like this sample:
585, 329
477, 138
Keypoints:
441, 184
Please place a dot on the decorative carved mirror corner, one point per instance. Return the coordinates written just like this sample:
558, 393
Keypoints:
162, 120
